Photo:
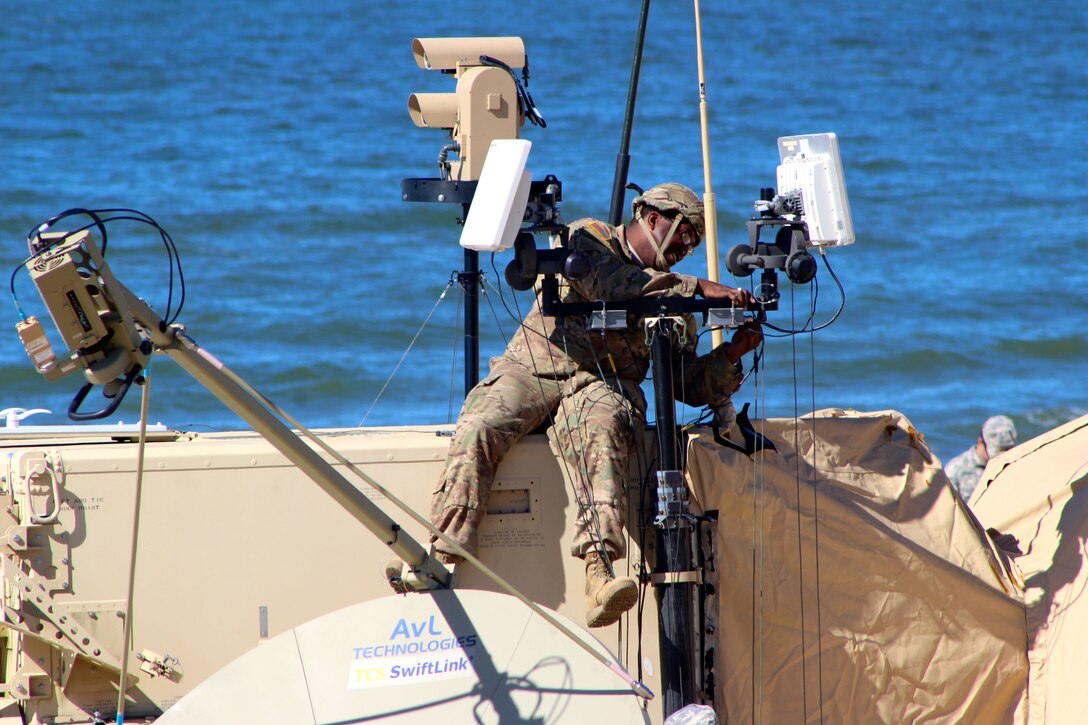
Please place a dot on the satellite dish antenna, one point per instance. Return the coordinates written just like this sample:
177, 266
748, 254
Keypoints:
443, 656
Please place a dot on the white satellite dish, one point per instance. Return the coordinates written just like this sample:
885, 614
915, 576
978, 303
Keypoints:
448, 656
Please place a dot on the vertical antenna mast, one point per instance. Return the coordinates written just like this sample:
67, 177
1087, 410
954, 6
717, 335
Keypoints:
709, 201
623, 158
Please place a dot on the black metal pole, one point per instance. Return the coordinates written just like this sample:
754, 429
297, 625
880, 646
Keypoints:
623, 158
664, 399
673, 560
470, 282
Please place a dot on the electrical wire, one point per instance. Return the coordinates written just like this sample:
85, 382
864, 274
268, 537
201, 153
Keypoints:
644, 466
808, 325
584, 498
100, 221
759, 507
759, 526
816, 525
491, 304
525, 99
583, 493
48, 223
14, 296
586, 513
797, 483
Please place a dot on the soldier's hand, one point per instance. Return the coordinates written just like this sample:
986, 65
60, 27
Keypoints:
746, 338
741, 298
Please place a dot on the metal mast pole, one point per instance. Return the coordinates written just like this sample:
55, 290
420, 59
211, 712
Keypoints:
470, 282
672, 575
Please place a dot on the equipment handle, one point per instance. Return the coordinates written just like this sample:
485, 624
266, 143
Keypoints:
40, 468
117, 397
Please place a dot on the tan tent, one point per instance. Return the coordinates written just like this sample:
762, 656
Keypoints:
1036, 492
855, 586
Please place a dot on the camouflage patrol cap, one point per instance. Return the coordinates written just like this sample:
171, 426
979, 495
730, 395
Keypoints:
999, 434
672, 197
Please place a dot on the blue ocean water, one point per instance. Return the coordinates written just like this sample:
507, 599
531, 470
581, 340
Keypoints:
269, 138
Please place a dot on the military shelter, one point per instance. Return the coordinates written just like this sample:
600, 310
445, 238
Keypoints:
854, 585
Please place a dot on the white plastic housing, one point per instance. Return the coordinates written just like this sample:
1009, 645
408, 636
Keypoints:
811, 164
502, 192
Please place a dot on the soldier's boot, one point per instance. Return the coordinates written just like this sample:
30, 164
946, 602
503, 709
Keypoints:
607, 597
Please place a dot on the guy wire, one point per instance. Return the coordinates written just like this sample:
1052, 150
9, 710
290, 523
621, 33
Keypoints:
405, 353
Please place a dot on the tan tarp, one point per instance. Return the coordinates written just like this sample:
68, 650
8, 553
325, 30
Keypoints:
1036, 492
878, 599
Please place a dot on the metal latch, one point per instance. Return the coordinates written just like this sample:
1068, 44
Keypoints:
608, 320
724, 317
158, 665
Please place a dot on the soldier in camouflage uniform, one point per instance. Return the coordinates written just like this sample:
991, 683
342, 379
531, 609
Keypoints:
965, 470
587, 384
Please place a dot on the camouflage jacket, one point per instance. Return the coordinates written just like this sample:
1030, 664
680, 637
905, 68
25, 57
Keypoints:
965, 471
558, 351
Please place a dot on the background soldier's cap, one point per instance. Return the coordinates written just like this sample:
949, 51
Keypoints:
673, 197
999, 434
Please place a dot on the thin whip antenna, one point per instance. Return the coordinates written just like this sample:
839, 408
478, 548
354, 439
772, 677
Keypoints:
623, 158
710, 205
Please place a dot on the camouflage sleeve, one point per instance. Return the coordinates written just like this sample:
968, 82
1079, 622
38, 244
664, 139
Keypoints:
706, 379
614, 278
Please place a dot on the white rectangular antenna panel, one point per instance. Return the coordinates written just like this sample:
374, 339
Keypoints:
811, 165
498, 206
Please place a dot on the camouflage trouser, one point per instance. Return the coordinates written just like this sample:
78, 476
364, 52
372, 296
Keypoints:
596, 425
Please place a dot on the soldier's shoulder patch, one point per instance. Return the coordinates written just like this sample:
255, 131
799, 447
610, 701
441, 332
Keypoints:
599, 229
591, 234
